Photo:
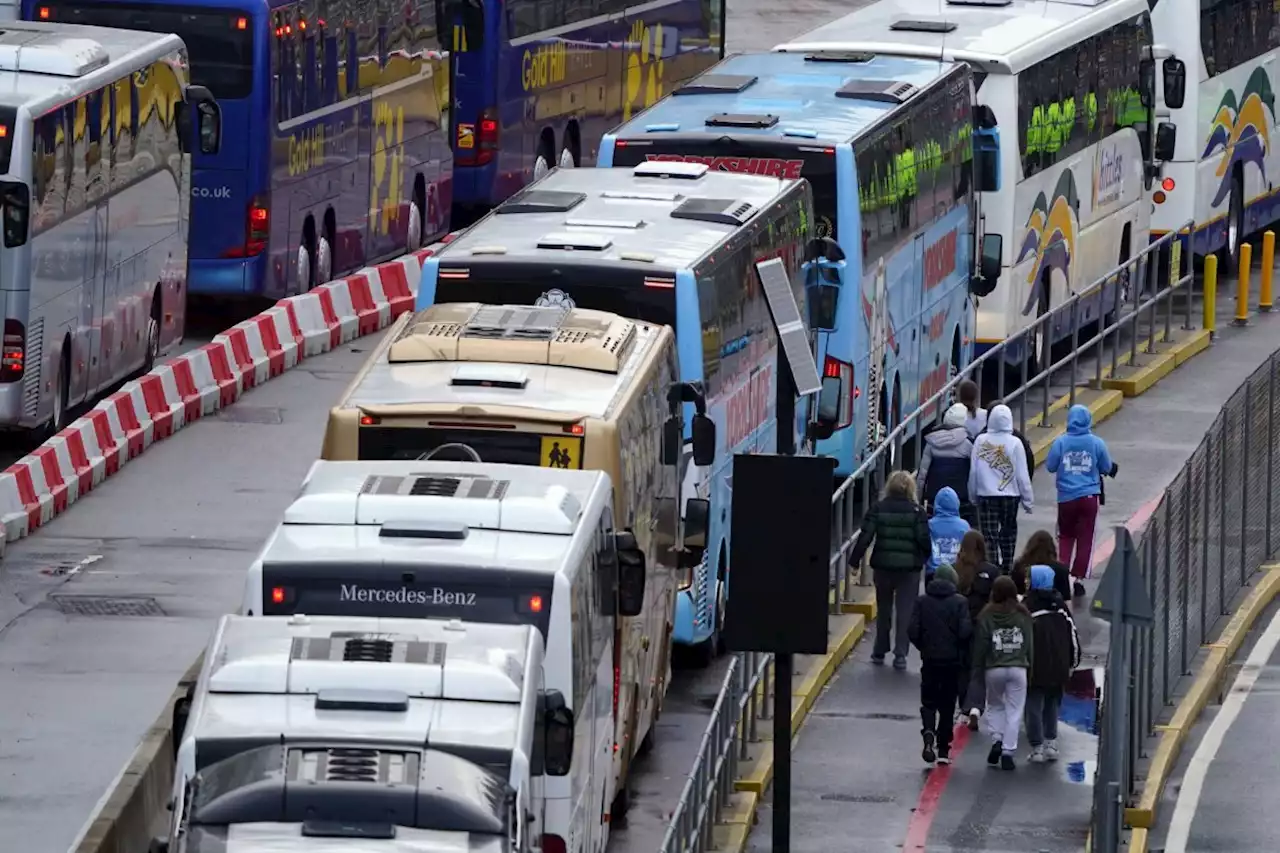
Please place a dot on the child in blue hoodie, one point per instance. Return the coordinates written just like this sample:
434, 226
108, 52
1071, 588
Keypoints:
1080, 460
946, 529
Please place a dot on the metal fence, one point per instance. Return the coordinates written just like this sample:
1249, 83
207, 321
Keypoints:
1215, 525
1136, 312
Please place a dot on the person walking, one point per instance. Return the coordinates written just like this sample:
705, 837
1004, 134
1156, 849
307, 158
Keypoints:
1041, 550
1057, 654
946, 529
977, 576
1004, 649
975, 416
999, 480
1079, 459
945, 462
899, 529
941, 629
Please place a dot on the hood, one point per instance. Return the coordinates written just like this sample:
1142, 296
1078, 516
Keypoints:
1079, 420
1005, 620
1043, 599
947, 502
950, 438
940, 588
1041, 577
1000, 420
956, 416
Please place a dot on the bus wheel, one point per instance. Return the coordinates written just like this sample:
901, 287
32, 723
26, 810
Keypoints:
324, 260
61, 390
413, 234
542, 163
153, 334
1235, 223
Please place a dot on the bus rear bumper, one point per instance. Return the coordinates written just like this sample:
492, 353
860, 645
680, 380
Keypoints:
226, 276
478, 188
686, 631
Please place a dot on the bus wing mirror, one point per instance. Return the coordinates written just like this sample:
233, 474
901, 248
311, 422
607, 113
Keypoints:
208, 118
631, 566
697, 521
1166, 141
558, 732
15, 198
986, 160
672, 440
1175, 82
828, 415
1147, 82
984, 118
704, 441
988, 265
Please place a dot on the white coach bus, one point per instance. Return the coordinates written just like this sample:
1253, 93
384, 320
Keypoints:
95, 182
1076, 79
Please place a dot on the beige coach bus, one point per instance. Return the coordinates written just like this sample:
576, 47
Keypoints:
546, 386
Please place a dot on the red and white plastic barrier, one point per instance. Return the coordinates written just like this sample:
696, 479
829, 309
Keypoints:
42, 484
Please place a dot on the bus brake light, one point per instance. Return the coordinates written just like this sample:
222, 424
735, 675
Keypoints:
242, 23
834, 368
575, 429
535, 604
13, 356
488, 136
258, 226
1168, 184
44, 13
369, 420
277, 595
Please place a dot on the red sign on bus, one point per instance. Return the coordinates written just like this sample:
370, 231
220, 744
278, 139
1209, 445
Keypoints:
940, 260
772, 167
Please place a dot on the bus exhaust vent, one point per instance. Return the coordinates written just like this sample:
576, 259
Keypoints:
752, 120
716, 84
518, 334
436, 486
541, 201
881, 91
352, 647
721, 211
567, 242
58, 57
675, 169
840, 56
935, 25
352, 764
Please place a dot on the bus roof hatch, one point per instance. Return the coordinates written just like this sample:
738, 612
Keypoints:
516, 334
50, 53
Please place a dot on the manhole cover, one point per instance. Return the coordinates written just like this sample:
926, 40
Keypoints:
242, 414
871, 715
859, 798
101, 605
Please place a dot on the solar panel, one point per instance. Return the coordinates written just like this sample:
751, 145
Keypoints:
792, 333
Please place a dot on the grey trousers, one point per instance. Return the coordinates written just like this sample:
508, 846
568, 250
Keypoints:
896, 593
1042, 714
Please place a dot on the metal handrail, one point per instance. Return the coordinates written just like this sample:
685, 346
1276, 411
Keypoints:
745, 695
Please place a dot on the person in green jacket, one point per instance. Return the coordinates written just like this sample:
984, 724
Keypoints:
1003, 650
900, 530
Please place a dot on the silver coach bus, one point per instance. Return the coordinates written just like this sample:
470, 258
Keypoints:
95, 130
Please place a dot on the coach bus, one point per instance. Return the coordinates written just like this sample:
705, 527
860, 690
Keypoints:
1070, 77
672, 244
536, 83
886, 143
339, 156
95, 210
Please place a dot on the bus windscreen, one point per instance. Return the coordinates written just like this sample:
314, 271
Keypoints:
219, 41
751, 157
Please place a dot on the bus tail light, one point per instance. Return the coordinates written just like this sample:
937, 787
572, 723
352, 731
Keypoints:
684, 579
13, 357
553, 844
834, 368
257, 226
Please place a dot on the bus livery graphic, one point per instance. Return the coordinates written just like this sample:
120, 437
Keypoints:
1051, 235
1242, 132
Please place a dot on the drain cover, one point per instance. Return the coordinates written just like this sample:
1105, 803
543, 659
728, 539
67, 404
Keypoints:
859, 798
242, 414
101, 605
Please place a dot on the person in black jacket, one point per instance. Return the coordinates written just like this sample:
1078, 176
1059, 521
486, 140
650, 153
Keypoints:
1057, 654
940, 629
1042, 550
900, 530
977, 576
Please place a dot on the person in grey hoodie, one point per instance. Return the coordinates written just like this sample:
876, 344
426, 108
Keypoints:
945, 462
1000, 480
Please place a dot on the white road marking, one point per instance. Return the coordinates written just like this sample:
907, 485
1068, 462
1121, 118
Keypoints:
1184, 811
84, 564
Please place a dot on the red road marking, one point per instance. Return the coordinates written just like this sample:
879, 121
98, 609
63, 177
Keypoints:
931, 795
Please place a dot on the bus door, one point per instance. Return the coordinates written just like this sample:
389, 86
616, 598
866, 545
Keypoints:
473, 80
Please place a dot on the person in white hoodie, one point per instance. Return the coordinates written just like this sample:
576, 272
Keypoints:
1000, 480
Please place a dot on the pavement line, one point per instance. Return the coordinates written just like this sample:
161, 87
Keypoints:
1184, 812
931, 795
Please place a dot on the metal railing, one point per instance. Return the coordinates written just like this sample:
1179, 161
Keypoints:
1215, 525
1137, 314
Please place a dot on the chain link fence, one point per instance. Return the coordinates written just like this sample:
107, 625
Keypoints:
1133, 318
1215, 525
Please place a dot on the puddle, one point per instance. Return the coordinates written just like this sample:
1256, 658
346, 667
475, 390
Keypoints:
1080, 701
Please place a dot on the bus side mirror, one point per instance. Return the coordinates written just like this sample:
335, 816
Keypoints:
1147, 82
986, 160
704, 441
631, 565
1166, 140
697, 521
208, 118
1175, 82
158, 845
672, 440
828, 415
988, 265
558, 733
822, 308
15, 198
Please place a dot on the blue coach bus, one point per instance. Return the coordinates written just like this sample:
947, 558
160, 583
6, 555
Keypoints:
537, 83
887, 143
336, 153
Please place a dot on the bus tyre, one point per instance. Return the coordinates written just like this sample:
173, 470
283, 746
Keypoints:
153, 335
324, 260
540, 166
567, 160
61, 391
1235, 223
413, 234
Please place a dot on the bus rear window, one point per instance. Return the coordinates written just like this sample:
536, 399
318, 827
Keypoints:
219, 41
418, 592
446, 445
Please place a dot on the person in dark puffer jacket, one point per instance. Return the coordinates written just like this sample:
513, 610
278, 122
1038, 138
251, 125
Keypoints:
977, 576
1057, 646
940, 628
899, 528
945, 463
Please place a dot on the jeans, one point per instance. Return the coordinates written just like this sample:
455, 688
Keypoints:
1077, 520
1006, 698
975, 692
939, 689
896, 593
1042, 713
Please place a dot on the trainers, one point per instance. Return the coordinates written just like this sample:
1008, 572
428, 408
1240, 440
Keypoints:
1078, 589
900, 663
878, 660
1051, 750
974, 716
1037, 755
993, 757
944, 756
928, 753
1006, 762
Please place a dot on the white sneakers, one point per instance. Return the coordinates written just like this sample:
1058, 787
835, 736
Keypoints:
1037, 755
1048, 751
974, 716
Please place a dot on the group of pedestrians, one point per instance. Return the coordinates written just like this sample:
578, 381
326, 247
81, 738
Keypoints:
994, 628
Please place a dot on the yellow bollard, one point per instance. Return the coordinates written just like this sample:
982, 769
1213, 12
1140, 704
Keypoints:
1210, 294
1242, 286
1268, 261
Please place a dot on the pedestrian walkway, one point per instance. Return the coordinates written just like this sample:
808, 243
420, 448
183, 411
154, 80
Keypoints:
857, 772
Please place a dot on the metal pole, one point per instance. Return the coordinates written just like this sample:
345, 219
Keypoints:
1244, 481
1116, 715
1185, 613
1075, 353
1271, 435
782, 755
1160, 559
1117, 319
1222, 517
1204, 542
